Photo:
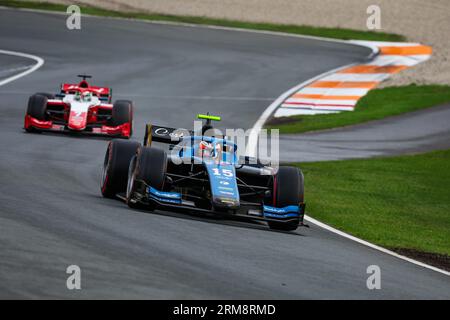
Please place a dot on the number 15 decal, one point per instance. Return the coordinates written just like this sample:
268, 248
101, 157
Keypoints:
222, 172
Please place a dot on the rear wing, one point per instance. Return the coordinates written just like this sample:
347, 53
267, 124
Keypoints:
103, 93
172, 135
167, 135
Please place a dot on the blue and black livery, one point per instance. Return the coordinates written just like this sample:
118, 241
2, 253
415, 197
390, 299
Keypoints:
186, 178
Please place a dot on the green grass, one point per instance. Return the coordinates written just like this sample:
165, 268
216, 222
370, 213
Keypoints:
336, 33
398, 202
377, 104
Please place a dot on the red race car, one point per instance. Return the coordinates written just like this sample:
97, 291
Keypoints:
80, 108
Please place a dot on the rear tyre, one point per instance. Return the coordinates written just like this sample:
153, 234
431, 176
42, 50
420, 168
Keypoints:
37, 108
288, 191
122, 112
149, 166
115, 166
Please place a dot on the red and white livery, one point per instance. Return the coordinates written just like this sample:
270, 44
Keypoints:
80, 108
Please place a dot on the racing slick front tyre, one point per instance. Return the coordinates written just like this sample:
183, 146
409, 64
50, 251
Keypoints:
149, 166
288, 191
122, 112
115, 166
37, 108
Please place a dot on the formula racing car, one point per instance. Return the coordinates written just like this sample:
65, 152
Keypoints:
80, 108
201, 173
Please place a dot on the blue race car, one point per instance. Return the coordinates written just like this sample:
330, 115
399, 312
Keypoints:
201, 173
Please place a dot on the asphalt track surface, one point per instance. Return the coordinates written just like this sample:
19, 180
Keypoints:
52, 214
418, 131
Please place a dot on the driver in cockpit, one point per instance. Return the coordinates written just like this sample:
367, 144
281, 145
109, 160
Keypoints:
83, 96
208, 150
205, 149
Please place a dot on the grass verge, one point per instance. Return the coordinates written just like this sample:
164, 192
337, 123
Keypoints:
377, 104
336, 33
400, 203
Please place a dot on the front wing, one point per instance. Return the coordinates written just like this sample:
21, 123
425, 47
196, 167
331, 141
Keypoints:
123, 130
253, 211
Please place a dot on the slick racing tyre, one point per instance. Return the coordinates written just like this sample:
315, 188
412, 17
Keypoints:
122, 112
288, 190
149, 166
115, 166
37, 108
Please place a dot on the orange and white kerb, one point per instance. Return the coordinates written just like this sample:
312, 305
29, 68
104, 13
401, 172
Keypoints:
341, 90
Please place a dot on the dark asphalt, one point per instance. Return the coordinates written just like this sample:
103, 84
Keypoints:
418, 131
52, 214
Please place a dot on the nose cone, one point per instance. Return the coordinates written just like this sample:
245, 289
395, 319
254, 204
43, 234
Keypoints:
225, 203
77, 120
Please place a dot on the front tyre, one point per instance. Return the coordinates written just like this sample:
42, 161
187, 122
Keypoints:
115, 166
288, 190
37, 108
122, 112
132, 186
147, 168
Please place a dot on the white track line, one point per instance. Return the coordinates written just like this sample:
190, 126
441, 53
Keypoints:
252, 144
266, 114
15, 69
39, 63
373, 246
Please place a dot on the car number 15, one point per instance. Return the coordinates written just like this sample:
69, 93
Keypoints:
223, 172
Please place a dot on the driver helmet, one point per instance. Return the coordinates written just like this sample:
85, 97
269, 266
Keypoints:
87, 96
205, 148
